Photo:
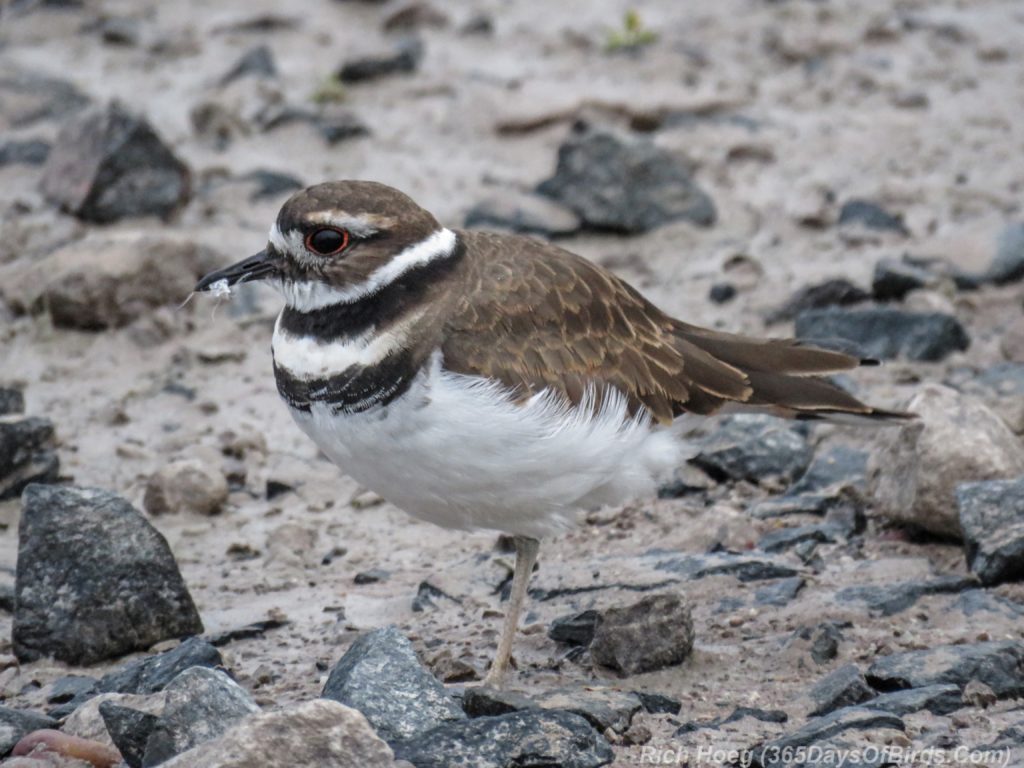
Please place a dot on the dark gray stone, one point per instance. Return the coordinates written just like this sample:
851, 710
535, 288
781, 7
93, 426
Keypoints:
258, 61
1008, 264
997, 664
1002, 379
339, 125
764, 715
885, 333
778, 752
839, 465
201, 704
577, 629
256, 629
654, 633
28, 98
372, 576
743, 566
119, 30
381, 677
720, 293
893, 279
838, 292
27, 454
603, 708
68, 693
24, 152
404, 59
528, 739
870, 215
523, 212
94, 580
657, 703
153, 673
973, 601
889, 599
937, 699
271, 184
783, 538
625, 185
992, 519
109, 164
843, 687
129, 729
782, 592
754, 447
16, 723
484, 701
12, 401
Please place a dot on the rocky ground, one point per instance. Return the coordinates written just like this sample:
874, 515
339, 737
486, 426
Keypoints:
840, 169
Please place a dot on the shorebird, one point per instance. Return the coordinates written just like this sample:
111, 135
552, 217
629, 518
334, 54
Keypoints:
492, 381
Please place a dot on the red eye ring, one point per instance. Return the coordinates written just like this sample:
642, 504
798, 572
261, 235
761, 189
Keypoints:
327, 241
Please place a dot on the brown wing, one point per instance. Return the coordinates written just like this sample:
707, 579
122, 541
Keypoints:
537, 317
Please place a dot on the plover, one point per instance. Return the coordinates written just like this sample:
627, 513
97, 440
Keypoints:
493, 381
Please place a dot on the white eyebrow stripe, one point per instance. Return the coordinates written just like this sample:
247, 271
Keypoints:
358, 226
307, 296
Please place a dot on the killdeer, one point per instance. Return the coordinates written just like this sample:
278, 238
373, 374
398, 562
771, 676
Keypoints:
480, 380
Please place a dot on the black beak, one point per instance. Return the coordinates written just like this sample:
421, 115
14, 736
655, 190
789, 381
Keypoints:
256, 267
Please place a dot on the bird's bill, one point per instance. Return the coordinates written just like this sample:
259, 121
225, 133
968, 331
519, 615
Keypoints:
257, 267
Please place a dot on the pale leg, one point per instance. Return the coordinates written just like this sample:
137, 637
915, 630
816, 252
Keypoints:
526, 556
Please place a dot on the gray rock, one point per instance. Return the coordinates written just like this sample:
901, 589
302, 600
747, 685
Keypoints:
754, 447
108, 164
201, 705
27, 454
28, 98
68, 693
1008, 264
889, 599
484, 701
119, 30
94, 579
825, 639
782, 539
12, 401
577, 629
381, 677
404, 59
317, 733
270, 184
998, 664
24, 152
843, 687
778, 752
720, 293
245, 632
129, 729
782, 592
743, 566
372, 576
992, 520
415, 15
16, 723
153, 673
188, 486
533, 738
654, 633
107, 281
625, 185
258, 61
603, 708
827, 487
336, 125
838, 292
957, 439
657, 703
938, 699
523, 212
893, 279
885, 333
870, 215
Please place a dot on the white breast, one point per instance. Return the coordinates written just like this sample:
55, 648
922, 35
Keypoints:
456, 451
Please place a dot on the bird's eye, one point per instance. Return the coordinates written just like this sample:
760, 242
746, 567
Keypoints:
327, 241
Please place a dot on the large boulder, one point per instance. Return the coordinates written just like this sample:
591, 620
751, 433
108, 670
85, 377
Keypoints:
94, 579
107, 280
108, 164
916, 469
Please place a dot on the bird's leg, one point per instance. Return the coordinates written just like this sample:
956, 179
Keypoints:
526, 556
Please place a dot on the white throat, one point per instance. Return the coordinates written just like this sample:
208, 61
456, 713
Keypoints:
307, 296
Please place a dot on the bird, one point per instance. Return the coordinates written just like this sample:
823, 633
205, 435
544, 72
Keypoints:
481, 380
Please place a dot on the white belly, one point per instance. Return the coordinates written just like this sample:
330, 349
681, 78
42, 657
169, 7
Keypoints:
455, 451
